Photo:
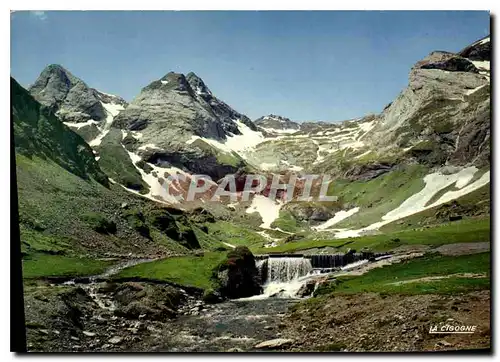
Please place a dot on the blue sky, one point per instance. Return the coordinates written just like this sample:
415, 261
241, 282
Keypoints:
303, 65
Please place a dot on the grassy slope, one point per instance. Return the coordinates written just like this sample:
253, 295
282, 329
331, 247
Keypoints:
468, 230
189, 270
115, 161
235, 234
388, 279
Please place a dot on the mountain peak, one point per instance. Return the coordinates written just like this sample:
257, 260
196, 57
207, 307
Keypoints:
70, 97
275, 122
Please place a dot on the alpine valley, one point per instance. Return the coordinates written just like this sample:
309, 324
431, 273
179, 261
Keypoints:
112, 261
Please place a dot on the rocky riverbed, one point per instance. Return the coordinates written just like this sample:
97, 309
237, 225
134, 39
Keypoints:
145, 317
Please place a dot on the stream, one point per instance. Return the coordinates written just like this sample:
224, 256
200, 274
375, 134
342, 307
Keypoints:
235, 325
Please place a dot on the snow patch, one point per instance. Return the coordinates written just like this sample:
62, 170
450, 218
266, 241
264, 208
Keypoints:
471, 91
280, 131
338, 217
246, 141
112, 109
268, 209
481, 64
81, 124
149, 145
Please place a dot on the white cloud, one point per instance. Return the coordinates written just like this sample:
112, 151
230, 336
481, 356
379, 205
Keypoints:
40, 15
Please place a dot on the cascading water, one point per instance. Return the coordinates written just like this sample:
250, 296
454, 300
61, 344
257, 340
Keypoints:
283, 276
287, 269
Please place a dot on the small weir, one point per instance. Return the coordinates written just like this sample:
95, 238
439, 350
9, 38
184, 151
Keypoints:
283, 275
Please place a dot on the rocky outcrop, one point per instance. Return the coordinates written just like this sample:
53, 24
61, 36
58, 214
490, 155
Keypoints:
480, 50
238, 276
136, 300
176, 107
223, 111
446, 61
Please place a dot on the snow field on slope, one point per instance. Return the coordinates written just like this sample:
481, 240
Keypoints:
112, 110
416, 203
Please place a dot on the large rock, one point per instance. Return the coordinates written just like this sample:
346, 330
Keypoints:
153, 302
238, 276
306, 289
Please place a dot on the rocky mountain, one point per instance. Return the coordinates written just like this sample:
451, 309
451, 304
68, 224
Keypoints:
177, 126
70, 97
69, 206
277, 124
443, 116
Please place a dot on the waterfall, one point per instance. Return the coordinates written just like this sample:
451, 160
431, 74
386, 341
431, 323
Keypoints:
287, 269
283, 275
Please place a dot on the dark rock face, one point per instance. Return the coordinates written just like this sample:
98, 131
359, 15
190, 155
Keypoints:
368, 172
177, 228
480, 50
224, 112
195, 160
69, 97
446, 61
316, 212
238, 276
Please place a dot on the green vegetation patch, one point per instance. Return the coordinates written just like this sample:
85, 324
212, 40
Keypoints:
286, 222
116, 163
185, 270
98, 222
45, 265
235, 234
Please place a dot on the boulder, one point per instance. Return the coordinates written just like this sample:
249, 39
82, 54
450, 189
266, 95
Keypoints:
238, 275
274, 343
306, 289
